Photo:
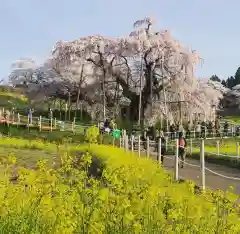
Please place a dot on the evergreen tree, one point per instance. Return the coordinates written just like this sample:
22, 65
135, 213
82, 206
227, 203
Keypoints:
237, 77
224, 83
230, 82
215, 78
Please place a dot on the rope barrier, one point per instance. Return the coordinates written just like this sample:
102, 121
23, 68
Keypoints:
185, 162
225, 155
223, 176
189, 164
209, 170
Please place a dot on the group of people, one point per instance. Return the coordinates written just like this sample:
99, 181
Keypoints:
108, 126
156, 134
182, 144
177, 131
200, 129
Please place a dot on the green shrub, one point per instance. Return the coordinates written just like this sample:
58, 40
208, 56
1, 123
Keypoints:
92, 134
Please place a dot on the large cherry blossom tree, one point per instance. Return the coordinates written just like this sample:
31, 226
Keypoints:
148, 70
165, 62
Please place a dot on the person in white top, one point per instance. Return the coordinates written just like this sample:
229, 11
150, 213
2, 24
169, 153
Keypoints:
198, 130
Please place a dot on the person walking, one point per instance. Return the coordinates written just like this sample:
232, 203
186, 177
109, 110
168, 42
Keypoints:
198, 130
30, 114
112, 125
163, 148
172, 131
210, 129
107, 126
182, 144
50, 116
180, 129
225, 127
188, 132
217, 127
203, 129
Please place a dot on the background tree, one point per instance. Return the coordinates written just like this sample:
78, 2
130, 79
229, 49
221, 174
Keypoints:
215, 78
231, 81
237, 77
223, 82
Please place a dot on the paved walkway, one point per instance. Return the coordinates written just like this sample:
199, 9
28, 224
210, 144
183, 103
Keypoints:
212, 181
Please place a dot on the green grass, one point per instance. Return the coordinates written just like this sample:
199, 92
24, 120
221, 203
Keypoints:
9, 100
55, 136
226, 147
27, 158
33, 133
233, 119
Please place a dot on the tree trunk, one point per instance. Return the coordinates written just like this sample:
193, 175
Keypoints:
69, 103
60, 109
79, 91
104, 95
77, 104
134, 110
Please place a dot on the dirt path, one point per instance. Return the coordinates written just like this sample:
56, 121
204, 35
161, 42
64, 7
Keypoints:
212, 181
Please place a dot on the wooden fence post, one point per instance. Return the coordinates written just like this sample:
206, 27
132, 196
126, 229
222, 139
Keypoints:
202, 164
132, 143
159, 153
123, 139
51, 124
148, 153
28, 120
166, 144
40, 123
176, 161
126, 142
18, 122
13, 117
217, 148
98, 125
139, 146
191, 146
101, 137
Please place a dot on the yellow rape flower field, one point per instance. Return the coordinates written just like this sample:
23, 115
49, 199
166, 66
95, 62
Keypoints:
94, 188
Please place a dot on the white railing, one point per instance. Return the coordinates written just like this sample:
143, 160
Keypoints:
144, 147
44, 123
53, 123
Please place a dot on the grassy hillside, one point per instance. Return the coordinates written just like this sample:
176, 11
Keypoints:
10, 97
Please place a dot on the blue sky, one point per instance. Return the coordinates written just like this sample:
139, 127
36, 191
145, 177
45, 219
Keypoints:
30, 28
